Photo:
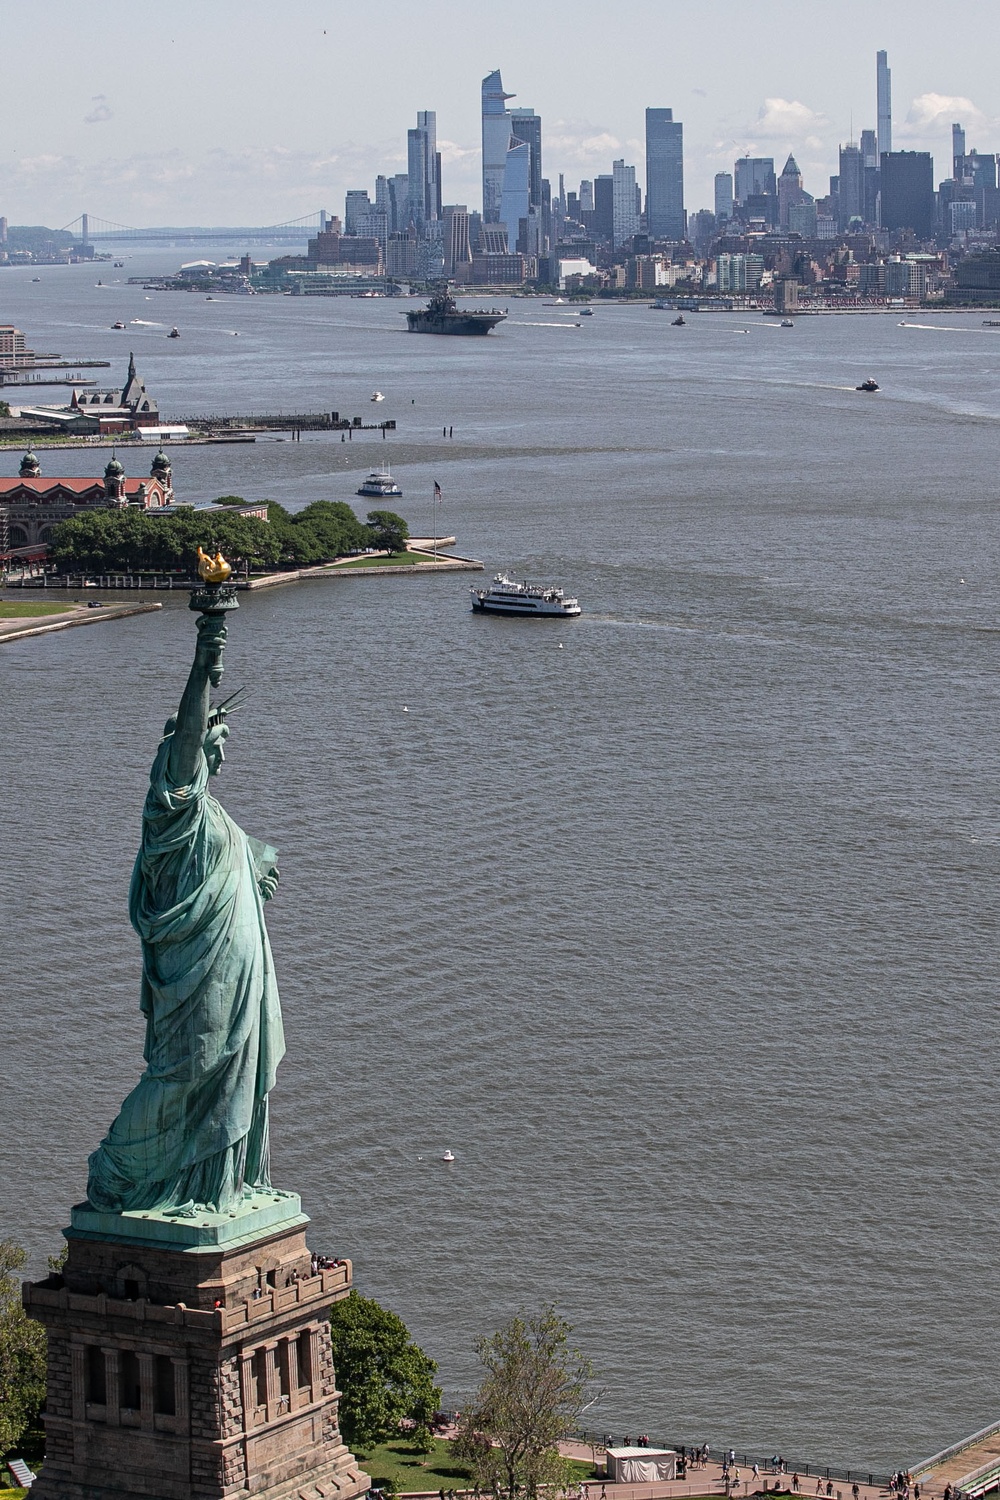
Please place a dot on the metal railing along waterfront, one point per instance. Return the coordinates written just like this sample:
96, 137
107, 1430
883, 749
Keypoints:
768, 1469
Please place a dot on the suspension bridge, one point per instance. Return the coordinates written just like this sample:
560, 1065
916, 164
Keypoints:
88, 229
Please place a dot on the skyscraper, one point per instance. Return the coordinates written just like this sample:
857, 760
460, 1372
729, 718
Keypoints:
603, 217
755, 177
958, 152
526, 126
515, 199
356, 206
664, 175
883, 89
723, 196
870, 175
789, 189
455, 239
625, 217
908, 191
851, 191
496, 139
424, 169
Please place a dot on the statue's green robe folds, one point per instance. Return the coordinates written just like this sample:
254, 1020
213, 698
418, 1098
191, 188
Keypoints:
194, 1128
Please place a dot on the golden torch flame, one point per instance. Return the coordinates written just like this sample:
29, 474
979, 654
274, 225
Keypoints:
213, 569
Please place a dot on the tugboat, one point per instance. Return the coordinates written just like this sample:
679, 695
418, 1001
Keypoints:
867, 385
678, 321
505, 597
381, 485
441, 315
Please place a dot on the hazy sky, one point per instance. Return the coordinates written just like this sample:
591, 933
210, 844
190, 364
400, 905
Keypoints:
221, 112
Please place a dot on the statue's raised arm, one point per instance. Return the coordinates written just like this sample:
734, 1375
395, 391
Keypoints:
189, 737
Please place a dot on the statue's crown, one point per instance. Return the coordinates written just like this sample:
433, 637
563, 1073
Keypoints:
227, 706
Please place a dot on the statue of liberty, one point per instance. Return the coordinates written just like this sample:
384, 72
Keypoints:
193, 1131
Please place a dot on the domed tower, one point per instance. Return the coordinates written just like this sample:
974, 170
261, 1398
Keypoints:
30, 467
161, 470
114, 481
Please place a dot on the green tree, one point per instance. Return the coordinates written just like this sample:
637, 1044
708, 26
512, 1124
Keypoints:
134, 541
22, 1353
384, 1376
529, 1401
229, 500
4, 408
388, 531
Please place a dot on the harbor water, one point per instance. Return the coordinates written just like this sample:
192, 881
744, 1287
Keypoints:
676, 923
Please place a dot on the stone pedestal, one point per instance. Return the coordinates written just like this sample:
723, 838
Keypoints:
192, 1371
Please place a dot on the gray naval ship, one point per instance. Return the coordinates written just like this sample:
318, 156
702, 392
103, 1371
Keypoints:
441, 315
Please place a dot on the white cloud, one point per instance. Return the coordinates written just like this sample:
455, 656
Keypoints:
102, 112
786, 120
929, 114
580, 145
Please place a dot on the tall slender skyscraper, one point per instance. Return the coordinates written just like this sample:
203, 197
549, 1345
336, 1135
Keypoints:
883, 87
424, 169
625, 216
515, 200
958, 152
496, 139
664, 175
723, 196
526, 126
852, 185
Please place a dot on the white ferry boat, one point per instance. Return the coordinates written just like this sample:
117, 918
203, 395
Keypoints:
381, 485
505, 597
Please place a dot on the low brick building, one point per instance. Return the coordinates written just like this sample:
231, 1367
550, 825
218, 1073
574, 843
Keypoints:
30, 505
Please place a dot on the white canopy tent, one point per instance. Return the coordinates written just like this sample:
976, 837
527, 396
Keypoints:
641, 1465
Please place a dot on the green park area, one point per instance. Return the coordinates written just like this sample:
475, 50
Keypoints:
15, 610
390, 560
137, 541
403, 1467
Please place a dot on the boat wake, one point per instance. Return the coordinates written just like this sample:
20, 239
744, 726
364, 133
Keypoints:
529, 323
940, 327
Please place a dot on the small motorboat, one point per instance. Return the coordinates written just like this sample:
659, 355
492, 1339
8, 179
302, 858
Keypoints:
376, 396
678, 322
867, 385
119, 324
787, 323
36, 278
586, 312
119, 264
448, 1156
174, 333
99, 283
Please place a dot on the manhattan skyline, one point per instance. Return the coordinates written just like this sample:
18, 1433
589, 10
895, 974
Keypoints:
237, 116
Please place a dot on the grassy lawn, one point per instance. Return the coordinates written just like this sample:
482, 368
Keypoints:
436, 1470
393, 560
15, 610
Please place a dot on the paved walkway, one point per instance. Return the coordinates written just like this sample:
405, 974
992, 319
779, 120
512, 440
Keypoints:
708, 1480
28, 625
956, 1466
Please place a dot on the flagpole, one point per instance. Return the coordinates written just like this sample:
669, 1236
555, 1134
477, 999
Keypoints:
434, 507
